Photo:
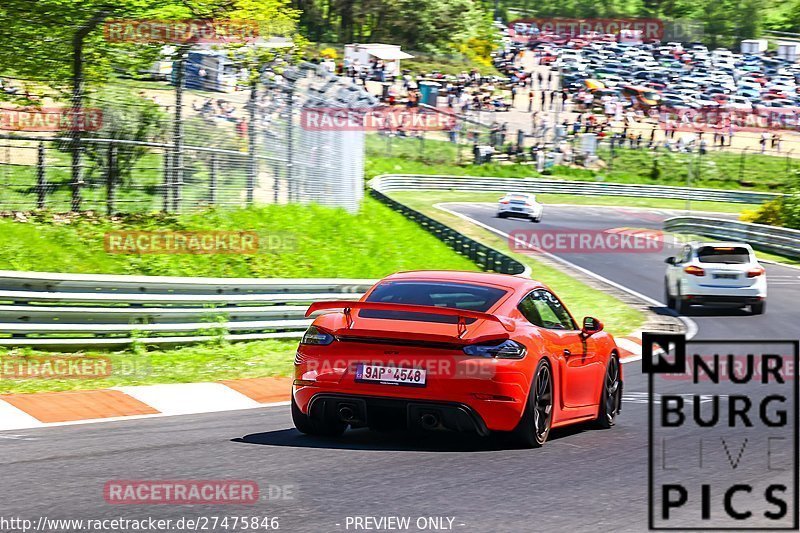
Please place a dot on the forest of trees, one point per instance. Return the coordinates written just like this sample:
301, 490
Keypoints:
446, 25
438, 26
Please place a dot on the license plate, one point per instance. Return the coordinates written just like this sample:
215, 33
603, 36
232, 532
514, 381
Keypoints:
516, 209
726, 276
390, 375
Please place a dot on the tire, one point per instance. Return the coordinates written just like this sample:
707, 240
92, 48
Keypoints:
501, 215
536, 219
758, 308
610, 397
680, 305
667, 297
309, 426
534, 426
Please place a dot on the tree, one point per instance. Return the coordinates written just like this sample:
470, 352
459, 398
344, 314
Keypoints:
37, 38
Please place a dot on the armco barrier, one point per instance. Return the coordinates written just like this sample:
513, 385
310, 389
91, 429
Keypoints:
404, 182
484, 256
781, 241
93, 310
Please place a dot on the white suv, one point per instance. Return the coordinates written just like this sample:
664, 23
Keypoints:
719, 273
520, 205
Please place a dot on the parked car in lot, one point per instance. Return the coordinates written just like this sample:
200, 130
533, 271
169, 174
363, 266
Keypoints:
460, 351
520, 205
717, 273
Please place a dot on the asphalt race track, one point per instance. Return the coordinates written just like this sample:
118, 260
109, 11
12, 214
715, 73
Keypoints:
582, 480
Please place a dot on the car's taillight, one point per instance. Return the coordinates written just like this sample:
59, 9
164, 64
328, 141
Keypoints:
694, 270
504, 202
316, 337
507, 349
755, 272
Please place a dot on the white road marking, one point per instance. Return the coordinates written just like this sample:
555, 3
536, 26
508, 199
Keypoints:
190, 398
13, 418
643, 397
17, 437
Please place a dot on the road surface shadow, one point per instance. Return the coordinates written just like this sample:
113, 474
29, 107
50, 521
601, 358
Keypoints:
716, 311
364, 439
701, 311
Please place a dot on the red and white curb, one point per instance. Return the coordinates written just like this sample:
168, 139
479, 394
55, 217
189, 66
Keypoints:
23, 411
630, 348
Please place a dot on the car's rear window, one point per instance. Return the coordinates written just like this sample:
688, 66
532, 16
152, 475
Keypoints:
440, 294
723, 254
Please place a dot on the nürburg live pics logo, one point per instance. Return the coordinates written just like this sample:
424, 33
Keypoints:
722, 434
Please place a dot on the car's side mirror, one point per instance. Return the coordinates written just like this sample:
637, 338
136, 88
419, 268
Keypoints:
591, 326
671, 260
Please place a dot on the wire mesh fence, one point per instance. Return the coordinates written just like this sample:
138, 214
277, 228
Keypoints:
163, 148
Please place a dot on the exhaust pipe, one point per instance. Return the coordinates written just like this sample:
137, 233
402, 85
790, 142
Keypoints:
429, 421
346, 413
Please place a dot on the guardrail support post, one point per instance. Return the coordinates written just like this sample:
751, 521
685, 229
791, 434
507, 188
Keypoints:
41, 179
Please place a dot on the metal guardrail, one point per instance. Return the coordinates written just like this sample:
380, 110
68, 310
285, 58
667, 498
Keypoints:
94, 310
403, 182
773, 239
484, 256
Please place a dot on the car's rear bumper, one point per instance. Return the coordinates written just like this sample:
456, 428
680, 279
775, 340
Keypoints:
722, 299
516, 213
384, 412
707, 295
498, 405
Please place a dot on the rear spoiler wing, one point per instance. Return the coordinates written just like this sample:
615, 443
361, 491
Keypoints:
461, 314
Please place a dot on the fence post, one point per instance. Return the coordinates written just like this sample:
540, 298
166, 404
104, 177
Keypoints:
177, 131
251, 143
277, 186
41, 180
212, 196
111, 178
290, 185
177, 181
167, 186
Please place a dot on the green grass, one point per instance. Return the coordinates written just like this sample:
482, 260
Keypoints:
582, 300
190, 364
296, 241
716, 170
429, 151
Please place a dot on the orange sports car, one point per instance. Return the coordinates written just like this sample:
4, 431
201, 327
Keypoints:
462, 351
